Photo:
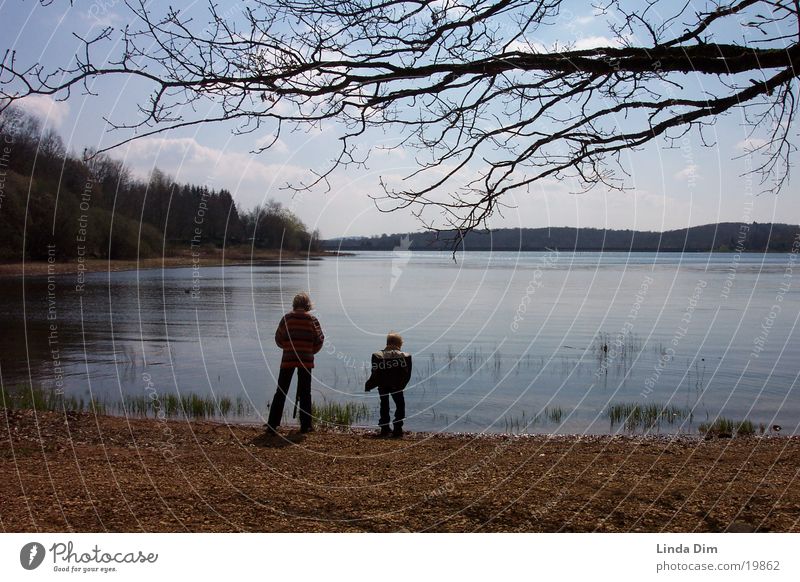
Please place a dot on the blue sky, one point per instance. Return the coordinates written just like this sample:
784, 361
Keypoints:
670, 188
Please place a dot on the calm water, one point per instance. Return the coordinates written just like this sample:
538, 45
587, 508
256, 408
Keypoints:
497, 338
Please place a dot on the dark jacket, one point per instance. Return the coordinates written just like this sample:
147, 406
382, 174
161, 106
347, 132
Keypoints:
391, 370
300, 336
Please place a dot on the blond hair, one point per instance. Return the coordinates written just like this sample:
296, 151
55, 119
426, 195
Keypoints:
394, 340
302, 301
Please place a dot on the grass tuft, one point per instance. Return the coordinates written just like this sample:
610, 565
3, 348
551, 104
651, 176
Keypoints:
338, 414
33, 398
634, 416
189, 405
727, 428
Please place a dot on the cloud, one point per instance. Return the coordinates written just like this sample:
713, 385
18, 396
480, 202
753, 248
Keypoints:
751, 144
47, 109
102, 15
275, 145
253, 178
526, 46
591, 42
587, 18
249, 177
690, 172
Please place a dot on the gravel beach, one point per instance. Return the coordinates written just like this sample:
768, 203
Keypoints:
86, 473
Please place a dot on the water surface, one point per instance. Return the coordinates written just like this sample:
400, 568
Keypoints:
498, 338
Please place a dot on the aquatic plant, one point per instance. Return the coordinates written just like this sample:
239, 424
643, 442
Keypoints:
171, 404
622, 344
634, 416
553, 414
340, 414
51, 400
727, 428
225, 404
189, 404
514, 424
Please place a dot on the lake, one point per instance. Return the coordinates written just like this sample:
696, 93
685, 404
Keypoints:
502, 342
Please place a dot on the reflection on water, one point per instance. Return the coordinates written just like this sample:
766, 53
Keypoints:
514, 342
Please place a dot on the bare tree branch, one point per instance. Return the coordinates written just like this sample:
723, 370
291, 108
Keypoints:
463, 83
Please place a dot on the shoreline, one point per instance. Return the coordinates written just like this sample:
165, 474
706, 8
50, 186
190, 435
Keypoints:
81, 472
567, 251
40, 268
174, 261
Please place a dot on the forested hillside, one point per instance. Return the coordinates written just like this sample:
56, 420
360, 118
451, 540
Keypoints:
54, 203
724, 236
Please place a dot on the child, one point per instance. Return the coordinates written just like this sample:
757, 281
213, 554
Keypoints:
300, 336
391, 371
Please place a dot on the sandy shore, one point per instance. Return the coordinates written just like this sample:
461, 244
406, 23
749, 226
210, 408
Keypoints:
235, 256
87, 473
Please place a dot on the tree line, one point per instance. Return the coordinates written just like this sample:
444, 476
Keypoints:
724, 236
92, 206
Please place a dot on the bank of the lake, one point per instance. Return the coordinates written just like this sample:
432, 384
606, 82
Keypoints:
205, 258
82, 472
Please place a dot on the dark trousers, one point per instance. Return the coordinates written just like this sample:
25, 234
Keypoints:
303, 397
399, 407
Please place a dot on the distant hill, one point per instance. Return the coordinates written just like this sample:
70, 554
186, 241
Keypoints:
724, 236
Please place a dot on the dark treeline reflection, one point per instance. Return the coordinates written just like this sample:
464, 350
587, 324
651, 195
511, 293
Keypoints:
54, 203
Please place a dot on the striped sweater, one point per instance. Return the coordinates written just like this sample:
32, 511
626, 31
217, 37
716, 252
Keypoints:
300, 336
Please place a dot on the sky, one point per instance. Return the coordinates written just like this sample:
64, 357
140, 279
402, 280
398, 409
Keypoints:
667, 188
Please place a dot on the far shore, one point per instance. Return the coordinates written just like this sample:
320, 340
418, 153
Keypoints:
236, 256
207, 258
81, 472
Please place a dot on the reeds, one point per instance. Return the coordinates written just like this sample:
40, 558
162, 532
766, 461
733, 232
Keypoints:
340, 414
189, 405
47, 400
623, 344
515, 424
553, 414
727, 428
634, 416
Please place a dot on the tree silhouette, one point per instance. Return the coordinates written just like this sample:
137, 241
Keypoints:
463, 84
